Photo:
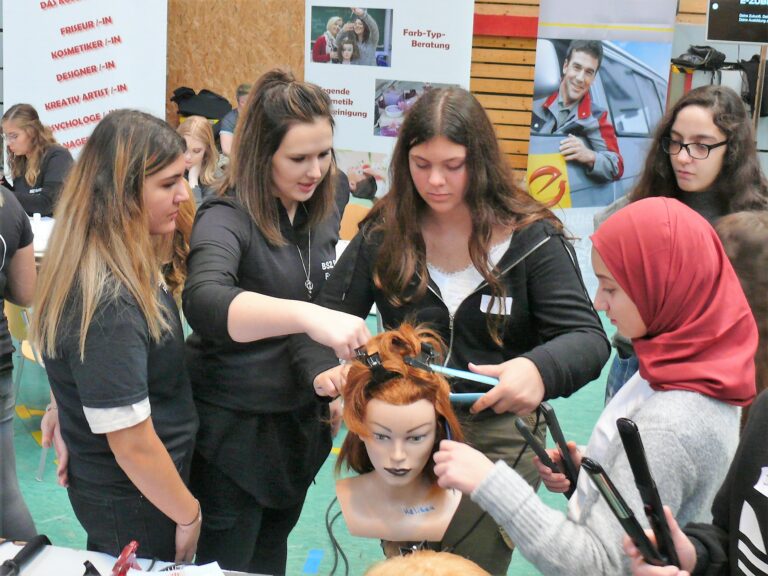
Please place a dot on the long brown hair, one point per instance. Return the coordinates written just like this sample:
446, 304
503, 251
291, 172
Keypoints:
101, 238
745, 239
740, 184
172, 249
200, 128
406, 386
41, 138
276, 102
493, 196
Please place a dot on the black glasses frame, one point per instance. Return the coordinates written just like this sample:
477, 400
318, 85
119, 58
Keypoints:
666, 141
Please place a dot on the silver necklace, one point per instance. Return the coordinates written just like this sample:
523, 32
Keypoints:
308, 267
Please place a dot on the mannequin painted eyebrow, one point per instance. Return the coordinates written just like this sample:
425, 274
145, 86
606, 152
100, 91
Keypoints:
407, 431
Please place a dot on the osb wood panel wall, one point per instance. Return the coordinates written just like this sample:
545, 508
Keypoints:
217, 44
692, 11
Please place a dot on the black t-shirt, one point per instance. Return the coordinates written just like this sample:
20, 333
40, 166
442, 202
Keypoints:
42, 196
122, 366
15, 233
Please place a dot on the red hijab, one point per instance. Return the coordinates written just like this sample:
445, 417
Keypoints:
701, 332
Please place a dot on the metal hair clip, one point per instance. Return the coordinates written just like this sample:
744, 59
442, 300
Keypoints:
379, 374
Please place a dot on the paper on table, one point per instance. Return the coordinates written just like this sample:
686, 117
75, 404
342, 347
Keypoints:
211, 569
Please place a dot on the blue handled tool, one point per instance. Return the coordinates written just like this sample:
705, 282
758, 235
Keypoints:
465, 397
464, 375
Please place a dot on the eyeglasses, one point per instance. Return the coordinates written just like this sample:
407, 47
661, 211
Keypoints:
696, 150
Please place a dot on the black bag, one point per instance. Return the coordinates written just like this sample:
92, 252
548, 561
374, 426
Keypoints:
700, 58
205, 103
751, 69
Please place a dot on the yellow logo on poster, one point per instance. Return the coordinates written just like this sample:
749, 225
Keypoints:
548, 180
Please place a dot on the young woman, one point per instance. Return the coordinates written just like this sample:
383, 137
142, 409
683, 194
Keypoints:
396, 414
259, 255
737, 539
38, 165
112, 342
201, 159
366, 30
665, 281
703, 154
324, 49
457, 244
17, 285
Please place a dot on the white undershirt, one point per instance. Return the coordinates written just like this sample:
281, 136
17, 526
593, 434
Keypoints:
456, 286
104, 420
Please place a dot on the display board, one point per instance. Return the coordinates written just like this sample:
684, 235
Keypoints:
583, 160
417, 48
742, 21
76, 60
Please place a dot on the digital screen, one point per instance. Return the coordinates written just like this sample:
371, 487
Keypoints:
743, 21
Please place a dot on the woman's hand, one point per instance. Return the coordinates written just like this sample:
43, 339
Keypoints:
683, 546
358, 11
187, 536
461, 467
520, 388
332, 381
338, 330
557, 481
348, 26
51, 436
334, 55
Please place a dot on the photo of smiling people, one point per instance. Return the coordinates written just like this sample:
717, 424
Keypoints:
351, 35
596, 104
393, 99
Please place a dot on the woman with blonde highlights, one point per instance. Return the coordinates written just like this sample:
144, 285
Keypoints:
201, 159
397, 412
260, 253
38, 164
113, 346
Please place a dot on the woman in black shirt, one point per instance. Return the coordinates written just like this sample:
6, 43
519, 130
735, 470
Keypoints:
259, 254
112, 342
17, 284
38, 164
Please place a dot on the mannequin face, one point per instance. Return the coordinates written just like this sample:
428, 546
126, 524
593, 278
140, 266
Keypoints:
401, 439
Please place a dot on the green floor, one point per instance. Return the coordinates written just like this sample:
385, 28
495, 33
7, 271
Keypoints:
310, 551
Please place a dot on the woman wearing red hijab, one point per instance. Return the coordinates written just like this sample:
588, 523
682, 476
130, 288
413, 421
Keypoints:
665, 282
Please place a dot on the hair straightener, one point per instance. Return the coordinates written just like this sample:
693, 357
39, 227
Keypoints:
633, 446
569, 468
622, 512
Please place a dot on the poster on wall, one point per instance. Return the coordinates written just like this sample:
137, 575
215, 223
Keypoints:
76, 60
742, 21
600, 89
375, 60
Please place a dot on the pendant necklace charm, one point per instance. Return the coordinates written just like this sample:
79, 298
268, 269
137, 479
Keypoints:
308, 266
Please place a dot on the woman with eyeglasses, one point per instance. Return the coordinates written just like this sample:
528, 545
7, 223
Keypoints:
704, 155
38, 164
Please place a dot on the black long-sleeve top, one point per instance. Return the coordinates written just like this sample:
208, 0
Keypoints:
737, 540
41, 197
229, 255
552, 321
